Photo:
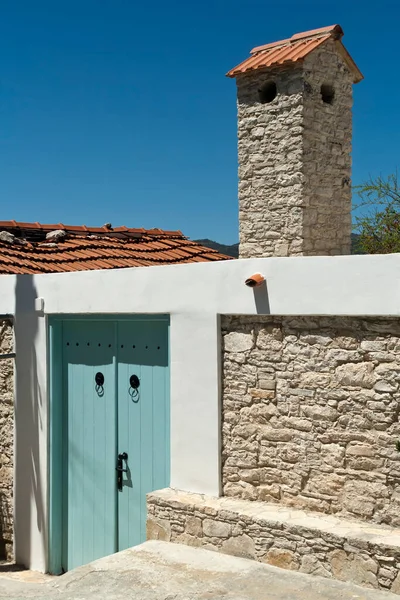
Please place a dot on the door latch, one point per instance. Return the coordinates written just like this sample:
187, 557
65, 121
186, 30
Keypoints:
120, 469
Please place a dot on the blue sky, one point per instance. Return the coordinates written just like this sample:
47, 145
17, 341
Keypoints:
119, 111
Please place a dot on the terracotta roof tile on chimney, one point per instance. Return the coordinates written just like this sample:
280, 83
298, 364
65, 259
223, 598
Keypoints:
295, 49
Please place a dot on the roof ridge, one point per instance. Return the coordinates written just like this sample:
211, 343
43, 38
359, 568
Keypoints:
334, 31
83, 229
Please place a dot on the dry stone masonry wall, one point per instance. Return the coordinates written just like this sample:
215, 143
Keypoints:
310, 468
6, 441
270, 163
327, 546
327, 154
311, 414
294, 159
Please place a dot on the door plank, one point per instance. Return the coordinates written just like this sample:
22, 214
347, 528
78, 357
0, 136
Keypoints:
90, 442
143, 422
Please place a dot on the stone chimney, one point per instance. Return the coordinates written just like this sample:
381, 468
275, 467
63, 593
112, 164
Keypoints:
294, 142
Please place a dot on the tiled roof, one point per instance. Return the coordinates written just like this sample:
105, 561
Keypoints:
295, 49
86, 248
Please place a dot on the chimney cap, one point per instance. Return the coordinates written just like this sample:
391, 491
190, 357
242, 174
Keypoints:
295, 49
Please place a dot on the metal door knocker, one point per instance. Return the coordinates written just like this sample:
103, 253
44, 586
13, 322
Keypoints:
134, 382
99, 379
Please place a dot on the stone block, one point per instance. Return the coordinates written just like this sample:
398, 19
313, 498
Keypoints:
275, 435
325, 413
315, 379
301, 392
262, 394
355, 449
194, 526
238, 342
241, 545
258, 413
383, 386
218, 529
285, 559
241, 490
267, 384
356, 568
359, 497
329, 484
312, 566
373, 346
356, 375
333, 455
158, 529
267, 493
303, 502
297, 423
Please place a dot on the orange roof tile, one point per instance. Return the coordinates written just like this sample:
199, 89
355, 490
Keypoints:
88, 248
295, 49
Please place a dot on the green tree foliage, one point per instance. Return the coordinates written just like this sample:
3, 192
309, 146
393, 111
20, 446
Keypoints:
379, 229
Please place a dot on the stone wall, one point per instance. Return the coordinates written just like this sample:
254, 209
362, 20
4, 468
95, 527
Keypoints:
327, 154
325, 546
6, 441
294, 159
311, 414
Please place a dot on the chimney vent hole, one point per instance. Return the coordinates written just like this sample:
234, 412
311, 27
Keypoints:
327, 93
267, 92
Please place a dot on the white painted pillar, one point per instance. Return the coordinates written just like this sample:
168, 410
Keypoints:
195, 402
30, 430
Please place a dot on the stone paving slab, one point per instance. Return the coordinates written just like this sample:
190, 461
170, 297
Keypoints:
162, 571
9, 570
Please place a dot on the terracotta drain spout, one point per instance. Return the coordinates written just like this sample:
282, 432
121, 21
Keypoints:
255, 280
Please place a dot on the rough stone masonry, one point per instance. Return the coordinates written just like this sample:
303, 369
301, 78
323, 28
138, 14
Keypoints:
310, 467
311, 413
294, 158
6, 441
287, 538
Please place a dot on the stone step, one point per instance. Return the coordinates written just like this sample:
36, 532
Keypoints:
315, 543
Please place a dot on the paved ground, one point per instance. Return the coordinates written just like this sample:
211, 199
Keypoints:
161, 571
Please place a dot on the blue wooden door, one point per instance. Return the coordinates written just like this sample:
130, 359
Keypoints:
107, 412
143, 422
90, 513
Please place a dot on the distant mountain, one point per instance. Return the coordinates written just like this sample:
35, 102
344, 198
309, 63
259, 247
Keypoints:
233, 249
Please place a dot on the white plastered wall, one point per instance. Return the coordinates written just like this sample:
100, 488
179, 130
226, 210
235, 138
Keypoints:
194, 295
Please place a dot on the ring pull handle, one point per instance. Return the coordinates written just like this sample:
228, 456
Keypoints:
99, 380
134, 381
133, 391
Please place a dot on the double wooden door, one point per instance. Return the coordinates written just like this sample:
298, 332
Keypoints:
115, 433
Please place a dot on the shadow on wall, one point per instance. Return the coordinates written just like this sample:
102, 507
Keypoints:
28, 494
261, 299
